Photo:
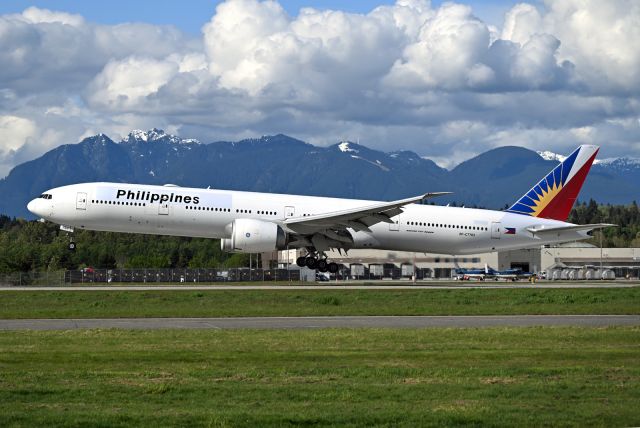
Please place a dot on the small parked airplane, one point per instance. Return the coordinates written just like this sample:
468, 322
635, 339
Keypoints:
262, 222
511, 274
474, 273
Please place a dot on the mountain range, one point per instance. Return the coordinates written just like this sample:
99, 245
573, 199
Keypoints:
282, 164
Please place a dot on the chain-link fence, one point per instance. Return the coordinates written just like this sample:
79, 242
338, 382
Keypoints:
32, 278
179, 276
142, 276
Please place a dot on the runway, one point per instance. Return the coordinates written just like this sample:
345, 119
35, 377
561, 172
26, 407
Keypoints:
325, 322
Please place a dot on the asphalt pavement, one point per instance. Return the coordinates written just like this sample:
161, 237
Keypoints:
342, 285
325, 322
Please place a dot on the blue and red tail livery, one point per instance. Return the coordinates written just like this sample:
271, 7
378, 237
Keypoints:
554, 196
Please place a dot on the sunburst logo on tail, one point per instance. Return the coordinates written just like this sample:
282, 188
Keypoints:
545, 197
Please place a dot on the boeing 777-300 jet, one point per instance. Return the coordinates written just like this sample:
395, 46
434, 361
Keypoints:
262, 222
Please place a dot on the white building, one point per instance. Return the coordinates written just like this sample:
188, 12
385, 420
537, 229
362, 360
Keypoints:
575, 256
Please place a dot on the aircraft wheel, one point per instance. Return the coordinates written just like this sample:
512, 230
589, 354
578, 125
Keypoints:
301, 261
322, 265
333, 267
311, 262
72, 246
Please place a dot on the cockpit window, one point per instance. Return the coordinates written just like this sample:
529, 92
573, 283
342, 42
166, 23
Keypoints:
45, 196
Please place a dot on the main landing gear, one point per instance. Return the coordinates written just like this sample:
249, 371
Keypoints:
312, 262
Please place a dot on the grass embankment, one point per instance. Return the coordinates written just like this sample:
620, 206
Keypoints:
219, 303
436, 377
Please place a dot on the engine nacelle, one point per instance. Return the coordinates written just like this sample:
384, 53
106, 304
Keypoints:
254, 236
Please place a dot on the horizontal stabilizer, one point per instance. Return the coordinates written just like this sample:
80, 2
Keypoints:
574, 228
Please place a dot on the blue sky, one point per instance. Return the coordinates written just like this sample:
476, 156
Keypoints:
191, 15
447, 80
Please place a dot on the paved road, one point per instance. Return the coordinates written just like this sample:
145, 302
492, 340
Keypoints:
381, 285
325, 322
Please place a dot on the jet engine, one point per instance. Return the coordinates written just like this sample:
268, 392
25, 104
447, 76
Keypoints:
254, 236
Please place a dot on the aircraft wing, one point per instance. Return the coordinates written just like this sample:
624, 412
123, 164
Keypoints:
573, 228
330, 229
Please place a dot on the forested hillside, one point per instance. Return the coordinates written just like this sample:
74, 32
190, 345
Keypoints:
32, 245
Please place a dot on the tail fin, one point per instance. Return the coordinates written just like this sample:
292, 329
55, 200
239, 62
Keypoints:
554, 196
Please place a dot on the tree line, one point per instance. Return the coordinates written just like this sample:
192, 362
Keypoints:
626, 217
33, 245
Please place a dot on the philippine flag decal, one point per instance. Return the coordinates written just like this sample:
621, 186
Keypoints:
509, 230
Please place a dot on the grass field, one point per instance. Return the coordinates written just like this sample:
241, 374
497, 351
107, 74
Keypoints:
249, 378
220, 303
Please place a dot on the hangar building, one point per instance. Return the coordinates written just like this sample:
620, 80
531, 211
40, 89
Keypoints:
573, 260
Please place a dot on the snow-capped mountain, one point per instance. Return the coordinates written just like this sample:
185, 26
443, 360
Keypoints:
622, 164
619, 163
550, 156
154, 135
282, 164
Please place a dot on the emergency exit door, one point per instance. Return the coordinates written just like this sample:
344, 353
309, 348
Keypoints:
289, 212
496, 230
81, 201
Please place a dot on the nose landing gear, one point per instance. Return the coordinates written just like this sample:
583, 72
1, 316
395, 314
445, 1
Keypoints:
69, 230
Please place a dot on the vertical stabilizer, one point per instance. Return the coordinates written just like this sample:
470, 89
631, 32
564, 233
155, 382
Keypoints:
554, 196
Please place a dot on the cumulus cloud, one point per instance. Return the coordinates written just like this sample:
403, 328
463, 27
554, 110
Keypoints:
448, 46
122, 84
41, 47
15, 132
600, 38
436, 80
520, 23
34, 15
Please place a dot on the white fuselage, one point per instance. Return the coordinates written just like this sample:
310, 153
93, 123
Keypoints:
182, 211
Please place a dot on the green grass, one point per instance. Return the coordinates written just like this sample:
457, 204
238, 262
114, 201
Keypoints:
367, 377
222, 303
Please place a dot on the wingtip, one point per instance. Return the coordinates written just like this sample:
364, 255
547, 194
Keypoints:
435, 194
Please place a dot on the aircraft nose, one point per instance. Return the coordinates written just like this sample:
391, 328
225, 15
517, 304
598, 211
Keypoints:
34, 207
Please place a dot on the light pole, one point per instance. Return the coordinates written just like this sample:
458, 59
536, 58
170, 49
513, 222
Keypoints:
601, 254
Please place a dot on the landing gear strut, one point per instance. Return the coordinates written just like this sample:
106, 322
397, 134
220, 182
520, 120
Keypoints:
69, 231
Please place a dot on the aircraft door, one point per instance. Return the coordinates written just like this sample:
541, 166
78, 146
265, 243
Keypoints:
395, 226
496, 230
163, 208
289, 212
81, 201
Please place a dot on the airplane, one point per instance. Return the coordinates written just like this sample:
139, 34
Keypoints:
251, 222
473, 273
513, 274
